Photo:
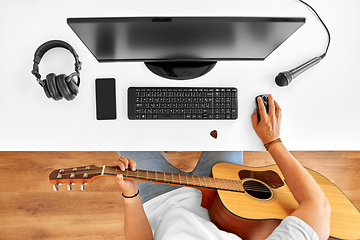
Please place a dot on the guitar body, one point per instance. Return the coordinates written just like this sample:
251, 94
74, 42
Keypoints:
253, 216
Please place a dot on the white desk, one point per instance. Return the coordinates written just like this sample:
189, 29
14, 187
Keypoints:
321, 109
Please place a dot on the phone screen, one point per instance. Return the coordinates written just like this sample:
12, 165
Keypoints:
105, 98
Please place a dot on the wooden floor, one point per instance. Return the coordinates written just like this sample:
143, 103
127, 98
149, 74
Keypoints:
30, 209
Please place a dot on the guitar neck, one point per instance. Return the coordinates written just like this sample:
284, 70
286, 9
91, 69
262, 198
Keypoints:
176, 179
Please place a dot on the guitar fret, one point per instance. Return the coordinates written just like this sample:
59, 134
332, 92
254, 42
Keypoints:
237, 185
182, 179
233, 185
198, 183
220, 183
229, 185
208, 182
201, 181
193, 180
176, 178
204, 179
152, 175
213, 182
168, 177
223, 184
240, 186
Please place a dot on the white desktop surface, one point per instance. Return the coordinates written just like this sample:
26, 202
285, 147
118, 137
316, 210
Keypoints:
321, 107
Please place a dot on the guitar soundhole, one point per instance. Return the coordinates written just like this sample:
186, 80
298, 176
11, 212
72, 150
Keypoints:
257, 189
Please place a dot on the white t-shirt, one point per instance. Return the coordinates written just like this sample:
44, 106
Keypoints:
178, 215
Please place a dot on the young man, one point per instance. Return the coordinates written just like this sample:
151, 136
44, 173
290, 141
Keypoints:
170, 212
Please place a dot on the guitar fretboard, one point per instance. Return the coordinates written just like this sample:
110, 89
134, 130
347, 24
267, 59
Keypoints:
178, 179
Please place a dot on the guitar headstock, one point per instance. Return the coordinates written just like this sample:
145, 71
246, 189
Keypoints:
70, 176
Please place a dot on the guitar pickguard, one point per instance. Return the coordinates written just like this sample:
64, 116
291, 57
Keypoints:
269, 177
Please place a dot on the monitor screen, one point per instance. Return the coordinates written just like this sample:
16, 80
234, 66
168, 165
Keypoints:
183, 38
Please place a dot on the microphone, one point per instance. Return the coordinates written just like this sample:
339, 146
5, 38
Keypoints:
285, 78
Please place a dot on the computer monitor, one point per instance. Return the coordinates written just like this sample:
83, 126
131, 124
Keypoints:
183, 47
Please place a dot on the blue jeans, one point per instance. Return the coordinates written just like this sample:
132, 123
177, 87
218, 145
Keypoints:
154, 161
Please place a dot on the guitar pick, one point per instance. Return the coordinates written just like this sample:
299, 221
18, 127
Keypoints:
213, 133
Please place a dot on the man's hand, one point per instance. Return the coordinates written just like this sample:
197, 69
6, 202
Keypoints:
268, 129
128, 187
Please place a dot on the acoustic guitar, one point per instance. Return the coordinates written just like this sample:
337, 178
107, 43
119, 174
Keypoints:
247, 201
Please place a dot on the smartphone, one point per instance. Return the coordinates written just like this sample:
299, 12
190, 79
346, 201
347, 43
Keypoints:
105, 98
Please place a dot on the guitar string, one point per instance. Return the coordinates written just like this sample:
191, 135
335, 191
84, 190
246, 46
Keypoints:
253, 187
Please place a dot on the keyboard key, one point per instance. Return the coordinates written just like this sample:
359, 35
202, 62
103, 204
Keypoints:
170, 116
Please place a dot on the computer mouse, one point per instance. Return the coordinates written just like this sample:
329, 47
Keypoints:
264, 98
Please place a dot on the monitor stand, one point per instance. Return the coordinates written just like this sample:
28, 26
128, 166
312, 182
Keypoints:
180, 70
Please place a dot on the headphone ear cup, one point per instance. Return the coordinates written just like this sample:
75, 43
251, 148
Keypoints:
46, 90
52, 87
63, 88
72, 84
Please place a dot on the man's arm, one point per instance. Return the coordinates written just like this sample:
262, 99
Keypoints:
314, 207
136, 224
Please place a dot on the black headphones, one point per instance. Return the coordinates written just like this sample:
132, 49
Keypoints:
57, 87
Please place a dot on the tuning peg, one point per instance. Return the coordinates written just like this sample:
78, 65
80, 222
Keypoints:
69, 186
55, 187
82, 186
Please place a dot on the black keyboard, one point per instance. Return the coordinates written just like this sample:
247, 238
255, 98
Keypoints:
182, 103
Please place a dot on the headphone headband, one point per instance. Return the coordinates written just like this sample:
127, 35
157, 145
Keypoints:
39, 53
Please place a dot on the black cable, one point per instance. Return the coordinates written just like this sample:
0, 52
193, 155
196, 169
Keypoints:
327, 30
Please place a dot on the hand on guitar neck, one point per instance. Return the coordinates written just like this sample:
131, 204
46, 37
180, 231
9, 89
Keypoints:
314, 207
128, 188
133, 210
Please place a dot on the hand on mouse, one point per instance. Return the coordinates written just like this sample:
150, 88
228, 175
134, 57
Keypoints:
268, 129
